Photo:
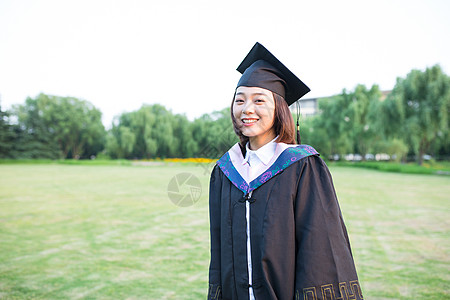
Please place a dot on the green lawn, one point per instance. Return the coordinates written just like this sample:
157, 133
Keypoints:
111, 232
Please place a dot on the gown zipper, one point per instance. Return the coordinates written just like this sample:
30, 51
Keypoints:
249, 251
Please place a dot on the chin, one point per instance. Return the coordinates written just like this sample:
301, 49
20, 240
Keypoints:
249, 134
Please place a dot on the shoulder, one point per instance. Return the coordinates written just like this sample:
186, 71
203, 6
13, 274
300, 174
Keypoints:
301, 150
215, 172
314, 166
290, 154
305, 159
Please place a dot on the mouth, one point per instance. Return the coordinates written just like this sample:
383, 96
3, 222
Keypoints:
249, 121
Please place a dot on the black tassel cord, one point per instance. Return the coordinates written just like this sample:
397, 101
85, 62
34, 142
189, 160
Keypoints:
299, 141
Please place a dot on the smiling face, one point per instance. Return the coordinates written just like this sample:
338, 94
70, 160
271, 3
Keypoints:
253, 110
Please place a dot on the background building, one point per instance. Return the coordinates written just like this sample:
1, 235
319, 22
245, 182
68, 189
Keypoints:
310, 106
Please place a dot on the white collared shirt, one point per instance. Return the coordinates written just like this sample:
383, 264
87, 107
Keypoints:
258, 160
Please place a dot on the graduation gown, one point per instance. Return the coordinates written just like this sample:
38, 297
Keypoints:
299, 243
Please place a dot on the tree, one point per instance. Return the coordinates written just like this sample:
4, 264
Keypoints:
140, 124
182, 129
59, 126
364, 111
34, 140
312, 133
74, 123
214, 133
417, 109
7, 135
162, 132
120, 141
334, 123
152, 131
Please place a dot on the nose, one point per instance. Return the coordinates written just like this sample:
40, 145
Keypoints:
248, 108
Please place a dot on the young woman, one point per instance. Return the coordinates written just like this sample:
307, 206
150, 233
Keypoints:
276, 228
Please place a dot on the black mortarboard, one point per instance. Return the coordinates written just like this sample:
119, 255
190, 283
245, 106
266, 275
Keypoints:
260, 68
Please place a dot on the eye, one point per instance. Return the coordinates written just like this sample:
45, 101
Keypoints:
239, 101
260, 100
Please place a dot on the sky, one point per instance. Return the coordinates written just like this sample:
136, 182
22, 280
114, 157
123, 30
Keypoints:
119, 55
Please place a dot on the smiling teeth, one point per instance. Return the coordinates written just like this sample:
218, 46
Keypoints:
249, 121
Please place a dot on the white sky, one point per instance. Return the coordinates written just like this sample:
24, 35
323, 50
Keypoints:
183, 54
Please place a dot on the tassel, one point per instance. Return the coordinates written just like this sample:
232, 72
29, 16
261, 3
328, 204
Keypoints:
299, 141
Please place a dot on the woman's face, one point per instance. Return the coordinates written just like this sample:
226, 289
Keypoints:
254, 110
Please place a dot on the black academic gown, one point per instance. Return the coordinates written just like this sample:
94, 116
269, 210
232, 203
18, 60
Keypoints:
299, 243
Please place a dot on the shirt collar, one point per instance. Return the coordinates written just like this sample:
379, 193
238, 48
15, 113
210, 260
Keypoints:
265, 153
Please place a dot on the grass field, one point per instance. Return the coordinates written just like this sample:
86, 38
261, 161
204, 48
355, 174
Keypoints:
111, 232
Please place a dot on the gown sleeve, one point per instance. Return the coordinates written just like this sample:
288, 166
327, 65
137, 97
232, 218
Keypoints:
324, 264
215, 186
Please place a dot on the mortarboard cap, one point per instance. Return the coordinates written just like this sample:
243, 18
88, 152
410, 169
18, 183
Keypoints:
260, 68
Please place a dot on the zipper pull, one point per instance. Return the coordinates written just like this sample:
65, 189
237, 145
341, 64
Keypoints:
248, 197
245, 197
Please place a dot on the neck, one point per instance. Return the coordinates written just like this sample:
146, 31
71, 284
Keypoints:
258, 141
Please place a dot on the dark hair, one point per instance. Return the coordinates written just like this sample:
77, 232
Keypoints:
283, 122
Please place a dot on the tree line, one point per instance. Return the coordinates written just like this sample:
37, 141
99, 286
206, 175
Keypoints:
413, 120
410, 122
